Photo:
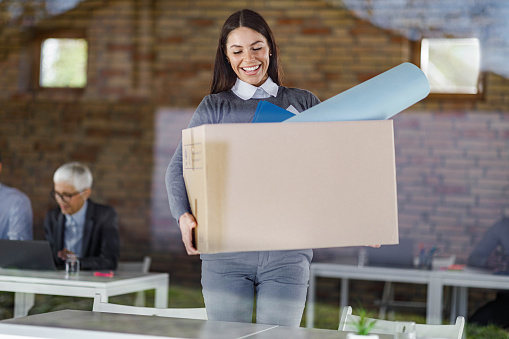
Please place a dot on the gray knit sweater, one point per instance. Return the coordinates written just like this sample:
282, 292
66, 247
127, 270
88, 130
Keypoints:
225, 107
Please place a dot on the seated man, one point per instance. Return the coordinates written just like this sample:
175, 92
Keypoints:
16, 220
493, 252
80, 226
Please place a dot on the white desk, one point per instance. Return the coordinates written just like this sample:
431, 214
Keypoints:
86, 325
26, 283
470, 277
435, 281
346, 272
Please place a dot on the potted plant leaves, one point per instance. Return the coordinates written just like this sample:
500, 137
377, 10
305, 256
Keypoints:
363, 326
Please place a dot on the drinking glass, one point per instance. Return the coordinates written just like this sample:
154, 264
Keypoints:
72, 265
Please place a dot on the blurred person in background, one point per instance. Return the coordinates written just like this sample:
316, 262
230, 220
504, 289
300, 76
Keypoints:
493, 252
78, 225
16, 217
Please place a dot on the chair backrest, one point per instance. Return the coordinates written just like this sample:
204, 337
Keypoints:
347, 323
187, 313
454, 331
348, 320
135, 266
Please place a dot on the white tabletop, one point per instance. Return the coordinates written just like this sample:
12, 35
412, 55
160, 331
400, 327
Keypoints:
58, 277
434, 279
80, 324
26, 283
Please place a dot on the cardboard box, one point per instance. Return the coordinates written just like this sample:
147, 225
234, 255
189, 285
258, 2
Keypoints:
278, 186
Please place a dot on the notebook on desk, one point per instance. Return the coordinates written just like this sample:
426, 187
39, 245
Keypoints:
26, 254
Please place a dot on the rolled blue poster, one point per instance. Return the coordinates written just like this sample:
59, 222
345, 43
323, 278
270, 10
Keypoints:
378, 98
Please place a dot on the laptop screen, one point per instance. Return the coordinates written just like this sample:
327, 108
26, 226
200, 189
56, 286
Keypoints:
400, 255
26, 254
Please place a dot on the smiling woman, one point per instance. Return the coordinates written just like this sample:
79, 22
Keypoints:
245, 35
246, 71
248, 54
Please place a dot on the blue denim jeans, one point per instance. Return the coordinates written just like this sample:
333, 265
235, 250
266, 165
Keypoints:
279, 279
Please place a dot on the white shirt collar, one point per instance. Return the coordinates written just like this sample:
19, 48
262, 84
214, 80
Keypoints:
246, 91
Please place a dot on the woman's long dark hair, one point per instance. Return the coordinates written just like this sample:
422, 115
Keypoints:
224, 77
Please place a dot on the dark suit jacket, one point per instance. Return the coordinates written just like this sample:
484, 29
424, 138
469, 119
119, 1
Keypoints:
101, 243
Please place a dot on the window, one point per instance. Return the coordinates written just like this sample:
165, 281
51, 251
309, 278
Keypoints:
63, 63
453, 66
60, 60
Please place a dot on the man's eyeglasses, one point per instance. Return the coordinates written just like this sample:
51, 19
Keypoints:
65, 197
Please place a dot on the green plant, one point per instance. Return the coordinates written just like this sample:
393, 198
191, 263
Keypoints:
364, 325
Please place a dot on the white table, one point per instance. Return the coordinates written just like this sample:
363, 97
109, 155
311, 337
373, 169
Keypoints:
347, 272
26, 283
462, 280
86, 325
435, 280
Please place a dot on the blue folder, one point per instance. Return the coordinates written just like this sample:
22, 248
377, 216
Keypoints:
267, 112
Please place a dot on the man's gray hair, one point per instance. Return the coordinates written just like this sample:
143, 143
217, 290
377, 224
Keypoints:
74, 173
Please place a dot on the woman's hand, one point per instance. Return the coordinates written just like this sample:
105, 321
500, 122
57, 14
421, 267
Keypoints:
187, 224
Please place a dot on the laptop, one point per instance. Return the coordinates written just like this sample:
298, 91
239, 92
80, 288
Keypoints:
400, 255
26, 254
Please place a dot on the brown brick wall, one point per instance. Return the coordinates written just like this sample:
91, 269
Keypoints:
150, 65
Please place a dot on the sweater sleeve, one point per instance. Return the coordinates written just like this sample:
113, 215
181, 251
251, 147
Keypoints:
206, 113
308, 98
175, 186
314, 100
